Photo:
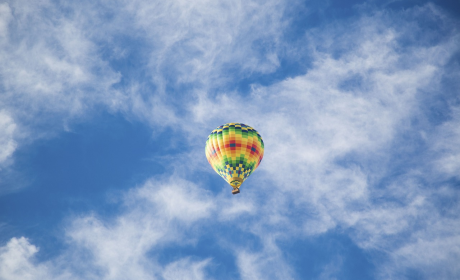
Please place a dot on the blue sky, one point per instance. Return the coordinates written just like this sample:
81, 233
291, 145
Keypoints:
105, 107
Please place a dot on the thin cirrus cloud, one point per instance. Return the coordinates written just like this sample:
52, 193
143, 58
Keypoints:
445, 146
49, 65
7, 142
50, 73
119, 249
355, 144
335, 147
71, 62
198, 40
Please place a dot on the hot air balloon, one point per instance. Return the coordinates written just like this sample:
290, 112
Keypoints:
234, 151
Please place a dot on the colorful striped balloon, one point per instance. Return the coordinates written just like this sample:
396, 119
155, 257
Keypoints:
234, 150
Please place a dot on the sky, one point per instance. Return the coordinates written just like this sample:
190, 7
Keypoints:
105, 108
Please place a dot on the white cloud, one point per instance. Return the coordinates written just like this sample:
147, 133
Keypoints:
5, 17
195, 40
433, 251
9, 133
159, 213
7, 142
331, 271
156, 215
447, 146
16, 263
178, 200
51, 73
267, 264
50, 66
331, 133
432, 255
57, 59
185, 269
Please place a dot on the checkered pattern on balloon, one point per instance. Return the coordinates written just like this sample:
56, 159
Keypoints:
234, 151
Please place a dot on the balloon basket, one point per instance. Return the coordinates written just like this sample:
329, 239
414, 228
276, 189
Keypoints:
235, 191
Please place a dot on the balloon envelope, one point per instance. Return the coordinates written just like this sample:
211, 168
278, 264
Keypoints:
234, 151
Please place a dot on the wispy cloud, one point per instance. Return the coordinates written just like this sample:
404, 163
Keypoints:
266, 264
334, 133
156, 214
16, 263
186, 269
7, 142
49, 65
350, 146
446, 146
